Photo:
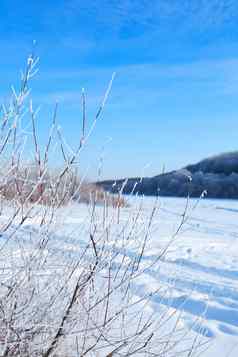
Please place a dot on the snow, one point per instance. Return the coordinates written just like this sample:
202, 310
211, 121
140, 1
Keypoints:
200, 266
196, 277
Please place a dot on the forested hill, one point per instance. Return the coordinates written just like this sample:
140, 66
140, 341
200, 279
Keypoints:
218, 175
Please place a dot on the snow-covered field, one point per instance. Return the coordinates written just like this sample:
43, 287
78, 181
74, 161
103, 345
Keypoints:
199, 268
201, 265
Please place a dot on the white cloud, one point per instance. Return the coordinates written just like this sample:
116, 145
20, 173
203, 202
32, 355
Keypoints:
146, 81
153, 15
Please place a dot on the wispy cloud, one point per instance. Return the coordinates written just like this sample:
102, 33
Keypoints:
145, 81
218, 74
110, 30
114, 15
130, 31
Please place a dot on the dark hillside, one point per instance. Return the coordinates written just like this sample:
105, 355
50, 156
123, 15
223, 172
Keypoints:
217, 175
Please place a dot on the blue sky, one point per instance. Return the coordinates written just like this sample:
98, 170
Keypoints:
174, 100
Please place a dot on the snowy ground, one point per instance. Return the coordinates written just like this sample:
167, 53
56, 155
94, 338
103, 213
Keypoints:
199, 269
201, 265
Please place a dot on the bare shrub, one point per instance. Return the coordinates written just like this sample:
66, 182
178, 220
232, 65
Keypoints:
69, 291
